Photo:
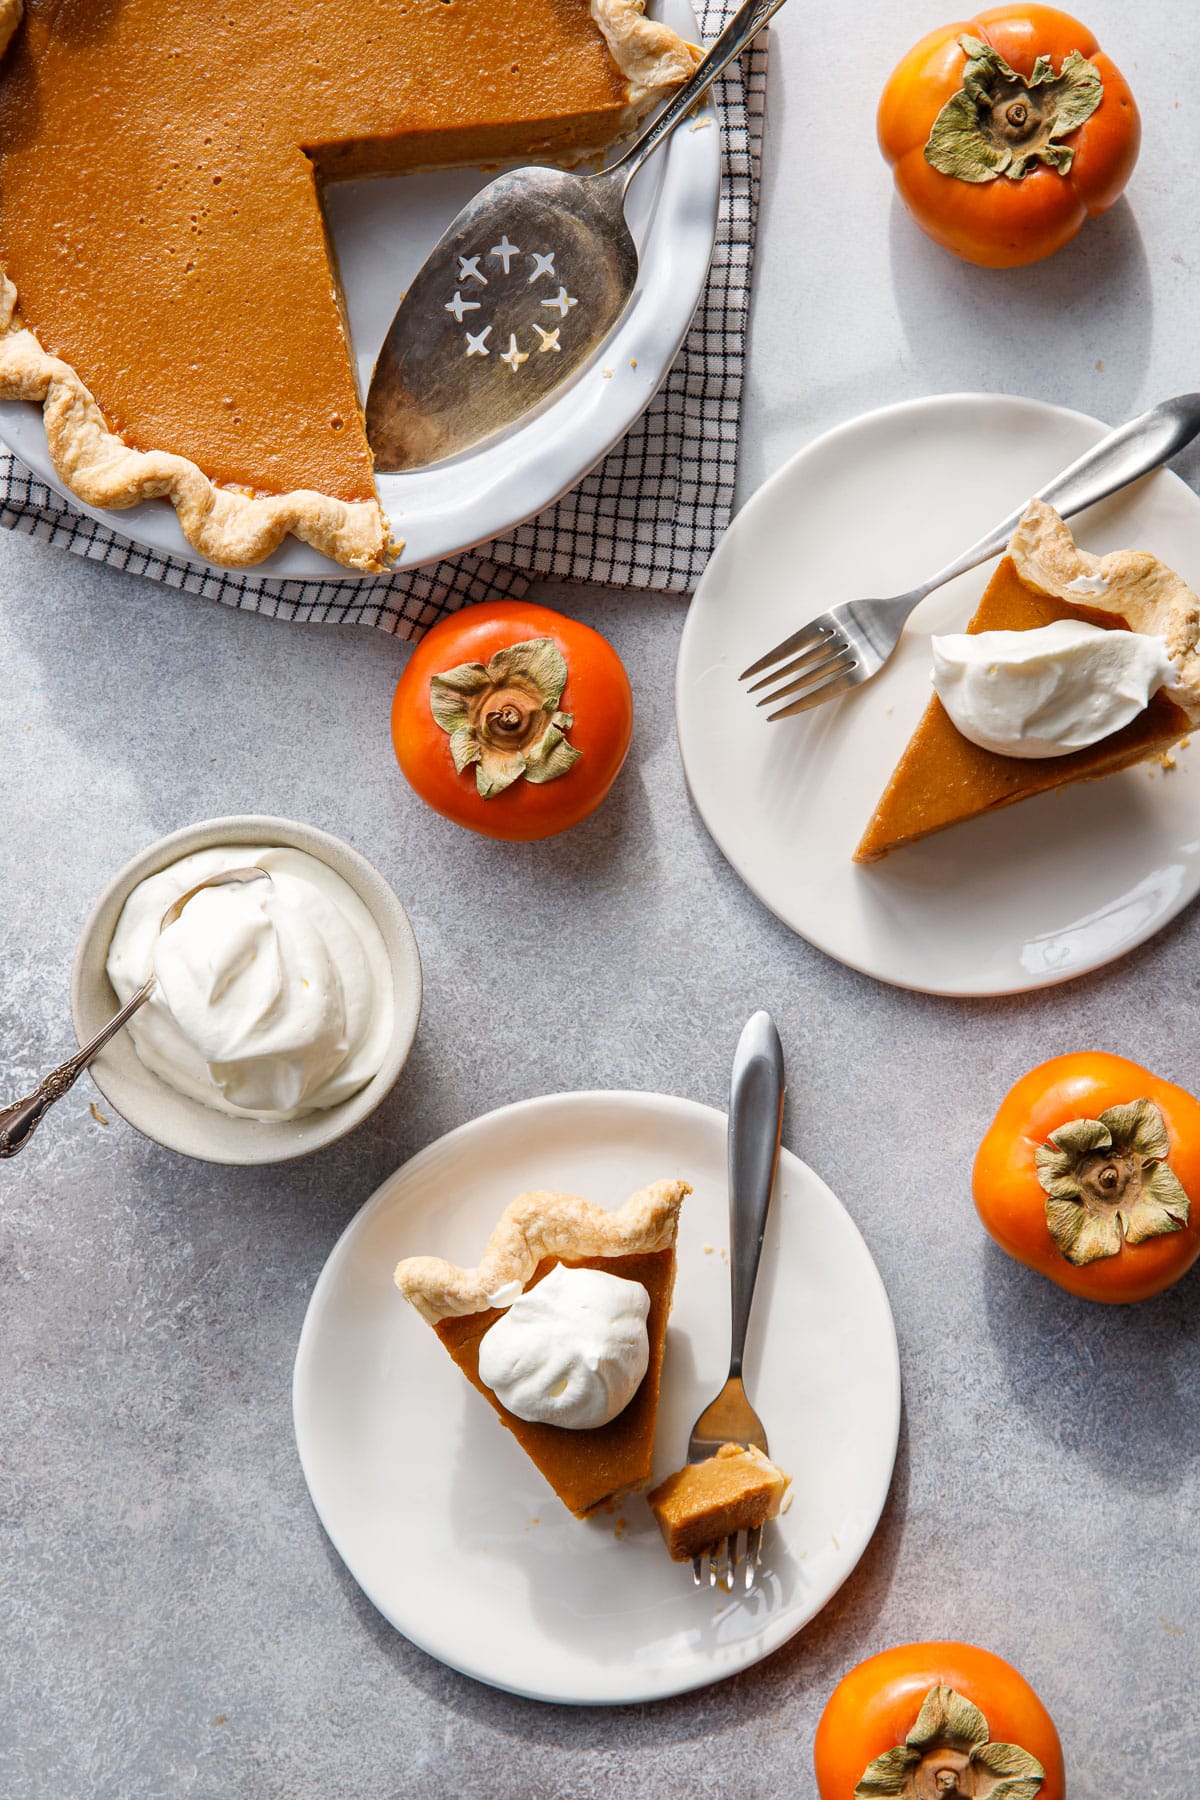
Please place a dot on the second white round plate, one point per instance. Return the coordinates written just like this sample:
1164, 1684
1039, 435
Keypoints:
1032, 895
452, 1532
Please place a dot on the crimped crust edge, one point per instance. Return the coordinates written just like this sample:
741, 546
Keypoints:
649, 54
232, 529
225, 527
1138, 587
532, 1227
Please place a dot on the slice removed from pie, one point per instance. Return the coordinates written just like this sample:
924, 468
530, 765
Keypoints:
537, 1232
943, 779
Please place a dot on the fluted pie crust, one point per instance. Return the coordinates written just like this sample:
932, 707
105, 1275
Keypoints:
167, 294
591, 1468
942, 779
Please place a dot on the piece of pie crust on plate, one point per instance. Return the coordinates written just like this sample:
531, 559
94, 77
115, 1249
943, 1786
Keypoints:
943, 779
586, 1468
168, 293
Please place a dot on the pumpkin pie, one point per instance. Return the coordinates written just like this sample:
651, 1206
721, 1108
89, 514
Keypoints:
943, 779
169, 294
537, 1233
738, 1489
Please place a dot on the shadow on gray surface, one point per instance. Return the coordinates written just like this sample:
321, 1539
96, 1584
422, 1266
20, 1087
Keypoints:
812, 1661
1112, 1385
949, 307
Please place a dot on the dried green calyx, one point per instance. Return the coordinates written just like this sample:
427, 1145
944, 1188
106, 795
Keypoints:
999, 123
1107, 1181
505, 719
949, 1752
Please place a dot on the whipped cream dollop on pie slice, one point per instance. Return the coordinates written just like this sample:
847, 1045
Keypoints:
943, 778
570, 1351
583, 1349
1048, 691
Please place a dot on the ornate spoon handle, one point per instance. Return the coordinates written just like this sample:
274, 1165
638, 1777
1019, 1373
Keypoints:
19, 1121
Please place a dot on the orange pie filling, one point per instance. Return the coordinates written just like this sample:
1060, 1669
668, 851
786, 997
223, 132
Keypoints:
171, 294
541, 1235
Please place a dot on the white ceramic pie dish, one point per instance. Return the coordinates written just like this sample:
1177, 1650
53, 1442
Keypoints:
157, 1110
382, 231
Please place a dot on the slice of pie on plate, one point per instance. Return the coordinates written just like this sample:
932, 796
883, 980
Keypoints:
943, 778
540, 1235
168, 293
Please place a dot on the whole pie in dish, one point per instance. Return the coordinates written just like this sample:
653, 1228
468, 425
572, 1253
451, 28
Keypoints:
168, 291
537, 1235
943, 778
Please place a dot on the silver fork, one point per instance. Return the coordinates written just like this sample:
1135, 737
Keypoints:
842, 648
755, 1125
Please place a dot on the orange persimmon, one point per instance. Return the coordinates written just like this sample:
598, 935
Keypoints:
1090, 1173
1007, 132
923, 1718
512, 720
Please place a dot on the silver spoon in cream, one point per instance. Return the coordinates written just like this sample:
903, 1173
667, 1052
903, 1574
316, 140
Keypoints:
19, 1121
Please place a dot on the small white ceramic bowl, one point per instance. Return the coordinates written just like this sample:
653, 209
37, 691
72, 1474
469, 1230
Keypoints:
171, 1118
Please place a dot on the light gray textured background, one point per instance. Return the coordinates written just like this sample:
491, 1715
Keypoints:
173, 1621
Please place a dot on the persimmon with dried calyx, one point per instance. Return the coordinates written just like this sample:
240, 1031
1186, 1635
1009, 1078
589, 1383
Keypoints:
937, 1722
1090, 1173
512, 720
1007, 133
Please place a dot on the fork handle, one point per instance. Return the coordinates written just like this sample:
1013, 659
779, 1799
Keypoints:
755, 1128
1129, 451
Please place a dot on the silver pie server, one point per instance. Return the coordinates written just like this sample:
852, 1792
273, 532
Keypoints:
520, 292
19, 1121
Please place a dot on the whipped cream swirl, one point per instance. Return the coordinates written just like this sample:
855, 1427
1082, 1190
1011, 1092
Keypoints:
1047, 691
571, 1351
273, 999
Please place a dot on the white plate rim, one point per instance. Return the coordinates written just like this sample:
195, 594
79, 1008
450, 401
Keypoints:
784, 1626
760, 500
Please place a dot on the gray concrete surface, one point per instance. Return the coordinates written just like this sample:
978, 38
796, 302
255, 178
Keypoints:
173, 1623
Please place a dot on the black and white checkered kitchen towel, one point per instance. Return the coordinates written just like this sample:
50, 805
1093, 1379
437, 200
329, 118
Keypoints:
649, 515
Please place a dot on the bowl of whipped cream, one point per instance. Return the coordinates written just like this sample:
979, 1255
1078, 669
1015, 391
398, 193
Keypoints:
283, 1008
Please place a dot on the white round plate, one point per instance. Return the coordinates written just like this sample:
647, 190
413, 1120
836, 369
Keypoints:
452, 1532
382, 232
1032, 895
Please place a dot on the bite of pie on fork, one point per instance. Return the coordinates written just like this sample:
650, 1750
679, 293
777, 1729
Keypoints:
729, 1485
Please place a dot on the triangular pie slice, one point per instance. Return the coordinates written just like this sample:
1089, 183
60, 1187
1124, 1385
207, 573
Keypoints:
942, 779
585, 1468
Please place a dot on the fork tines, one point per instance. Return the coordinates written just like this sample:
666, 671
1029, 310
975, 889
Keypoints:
809, 637
820, 658
723, 1561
